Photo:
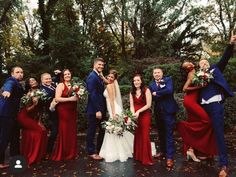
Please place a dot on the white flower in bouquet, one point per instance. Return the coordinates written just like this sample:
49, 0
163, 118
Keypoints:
108, 123
38, 92
113, 126
78, 88
109, 129
202, 78
31, 94
28, 98
75, 87
81, 91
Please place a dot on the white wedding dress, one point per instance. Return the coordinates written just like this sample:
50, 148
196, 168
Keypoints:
116, 147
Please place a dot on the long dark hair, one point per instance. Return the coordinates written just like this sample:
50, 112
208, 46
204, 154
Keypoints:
62, 74
142, 87
27, 84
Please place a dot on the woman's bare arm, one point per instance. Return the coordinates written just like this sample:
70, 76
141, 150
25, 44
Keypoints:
131, 101
187, 85
58, 95
148, 96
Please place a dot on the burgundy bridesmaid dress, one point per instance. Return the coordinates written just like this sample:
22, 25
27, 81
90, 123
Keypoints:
142, 143
33, 137
197, 131
66, 143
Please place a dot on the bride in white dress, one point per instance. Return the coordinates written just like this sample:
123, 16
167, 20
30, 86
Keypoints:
115, 147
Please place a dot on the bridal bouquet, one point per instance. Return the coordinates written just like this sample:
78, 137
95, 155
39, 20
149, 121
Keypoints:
202, 78
129, 121
124, 122
78, 88
39, 94
114, 126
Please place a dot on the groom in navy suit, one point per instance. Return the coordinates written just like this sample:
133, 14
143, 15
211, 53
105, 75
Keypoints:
9, 107
164, 109
212, 97
96, 108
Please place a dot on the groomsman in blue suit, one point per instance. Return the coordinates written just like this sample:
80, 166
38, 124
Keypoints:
9, 106
212, 97
96, 108
49, 88
165, 109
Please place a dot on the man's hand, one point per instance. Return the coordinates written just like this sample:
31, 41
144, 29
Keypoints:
6, 94
98, 115
233, 39
154, 93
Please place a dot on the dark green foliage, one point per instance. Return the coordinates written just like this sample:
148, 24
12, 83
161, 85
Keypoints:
125, 89
172, 70
82, 118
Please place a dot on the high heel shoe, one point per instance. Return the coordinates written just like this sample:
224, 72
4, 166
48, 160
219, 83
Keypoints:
191, 155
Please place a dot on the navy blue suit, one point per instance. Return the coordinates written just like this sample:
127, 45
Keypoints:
218, 86
9, 107
96, 103
165, 108
53, 118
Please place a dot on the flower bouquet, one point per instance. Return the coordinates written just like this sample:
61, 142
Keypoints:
124, 122
114, 126
78, 88
39, 94
129, 121
202, 78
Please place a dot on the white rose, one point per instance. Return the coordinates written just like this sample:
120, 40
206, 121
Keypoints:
108, 123
81, 91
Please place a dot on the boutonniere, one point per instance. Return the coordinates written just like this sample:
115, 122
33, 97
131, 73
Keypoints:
162, 83
212, 70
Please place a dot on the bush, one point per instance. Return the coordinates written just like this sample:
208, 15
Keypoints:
82, 118
125, 89
172, 70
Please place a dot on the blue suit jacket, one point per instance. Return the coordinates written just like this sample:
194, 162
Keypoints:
218, 85
50, 92
96, 100
9, 107
164, 100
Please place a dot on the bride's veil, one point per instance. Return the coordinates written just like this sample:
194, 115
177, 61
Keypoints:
118, 95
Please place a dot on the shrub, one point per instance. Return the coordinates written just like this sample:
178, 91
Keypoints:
172, 70
125, 89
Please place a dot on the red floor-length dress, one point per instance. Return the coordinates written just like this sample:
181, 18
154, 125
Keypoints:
197, 132
33, 137
142, 143
66, 143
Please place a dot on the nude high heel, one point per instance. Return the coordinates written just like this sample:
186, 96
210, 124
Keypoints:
191, 155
